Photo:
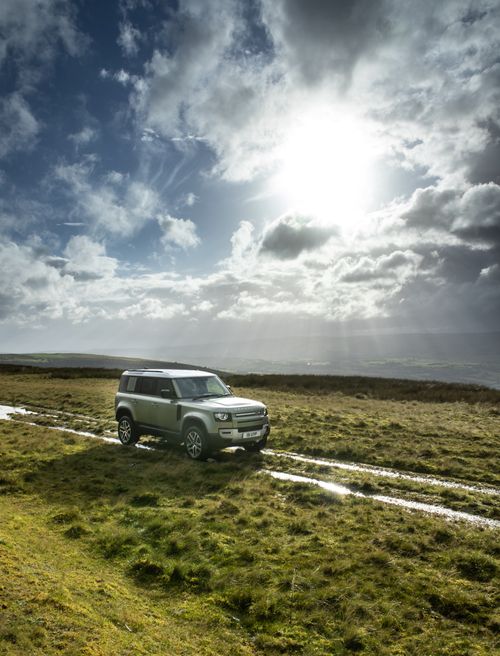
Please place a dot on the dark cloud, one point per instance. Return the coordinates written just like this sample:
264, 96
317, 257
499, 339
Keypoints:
372, 268
454, 263
430, 208
290, 235
322, 38
479, 217
484, 165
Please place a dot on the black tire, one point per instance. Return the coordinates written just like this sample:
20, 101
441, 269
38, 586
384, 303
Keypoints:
196, 442
255, 447
127, 431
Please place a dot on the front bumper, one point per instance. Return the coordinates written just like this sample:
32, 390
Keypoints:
236, 436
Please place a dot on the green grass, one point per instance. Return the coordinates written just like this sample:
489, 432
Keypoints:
233, 562
458, 439
108, 550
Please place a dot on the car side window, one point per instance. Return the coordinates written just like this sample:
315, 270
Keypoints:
166, 389
131, 384
148, 386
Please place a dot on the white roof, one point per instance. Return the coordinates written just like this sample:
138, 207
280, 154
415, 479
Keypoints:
167, 373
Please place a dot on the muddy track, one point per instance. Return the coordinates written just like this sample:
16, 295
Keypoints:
9, 412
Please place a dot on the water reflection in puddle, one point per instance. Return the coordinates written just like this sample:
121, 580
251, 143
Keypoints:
6, 412
382, 472
395, 501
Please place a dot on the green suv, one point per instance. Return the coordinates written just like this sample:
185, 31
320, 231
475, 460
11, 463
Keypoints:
187, 406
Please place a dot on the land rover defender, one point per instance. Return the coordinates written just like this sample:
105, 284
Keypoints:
188, 406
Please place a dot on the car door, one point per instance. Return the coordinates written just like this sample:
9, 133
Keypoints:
166, 411
145, 400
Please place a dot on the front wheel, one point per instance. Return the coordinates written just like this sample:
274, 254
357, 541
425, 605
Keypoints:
255, 447
196, 442
127, 431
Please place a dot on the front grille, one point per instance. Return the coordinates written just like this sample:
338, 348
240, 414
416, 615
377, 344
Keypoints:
247, 429
249, 413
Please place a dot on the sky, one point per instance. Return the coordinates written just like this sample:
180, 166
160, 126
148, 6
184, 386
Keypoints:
193, 172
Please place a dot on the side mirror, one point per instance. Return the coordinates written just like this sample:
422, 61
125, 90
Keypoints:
166, 394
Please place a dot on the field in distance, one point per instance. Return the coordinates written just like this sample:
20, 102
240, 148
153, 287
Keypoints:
105, 549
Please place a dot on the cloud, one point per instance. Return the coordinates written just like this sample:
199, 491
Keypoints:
178, 232
189, 199
152, 308
18, 127
478, 214
431, 208
395, 266
31, 32
30, 36
129, 38
29, 288
84, 137
471, 213
87, 259
110, 202
349, 56
323, 40
290, 235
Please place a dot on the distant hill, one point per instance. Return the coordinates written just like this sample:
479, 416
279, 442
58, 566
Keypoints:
89, 361
81, 365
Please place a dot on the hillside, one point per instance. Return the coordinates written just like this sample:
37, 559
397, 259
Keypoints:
370, 525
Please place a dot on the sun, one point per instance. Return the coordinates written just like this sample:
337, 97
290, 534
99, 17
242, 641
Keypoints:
325, 163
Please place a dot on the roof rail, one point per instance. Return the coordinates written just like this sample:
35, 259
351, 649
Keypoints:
155, 371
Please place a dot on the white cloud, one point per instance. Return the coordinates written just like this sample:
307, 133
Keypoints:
18, 126
189, 199
30, 35
436, 115
128, 38
178, 232
85, 136
152, 308
111, 202
87, 259
31, 31
122, 76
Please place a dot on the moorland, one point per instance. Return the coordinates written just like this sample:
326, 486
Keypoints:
113, 550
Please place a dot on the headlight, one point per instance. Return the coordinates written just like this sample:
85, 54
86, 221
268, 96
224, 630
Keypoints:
222, 416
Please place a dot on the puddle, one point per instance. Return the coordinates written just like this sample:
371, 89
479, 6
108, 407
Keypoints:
325, 485
382, 472
395, 501
7, 410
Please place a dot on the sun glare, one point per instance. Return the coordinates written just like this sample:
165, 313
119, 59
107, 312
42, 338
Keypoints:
325, 170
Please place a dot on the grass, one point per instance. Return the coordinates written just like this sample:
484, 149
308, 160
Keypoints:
456, 439
108, 550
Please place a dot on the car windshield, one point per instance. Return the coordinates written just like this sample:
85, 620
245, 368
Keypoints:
201, 387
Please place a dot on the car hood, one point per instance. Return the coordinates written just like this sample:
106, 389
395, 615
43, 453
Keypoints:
234, 403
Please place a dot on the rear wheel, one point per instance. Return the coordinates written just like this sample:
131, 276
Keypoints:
127, 431
255, 447
196, 442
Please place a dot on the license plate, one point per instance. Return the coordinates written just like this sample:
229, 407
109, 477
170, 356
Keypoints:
251, 434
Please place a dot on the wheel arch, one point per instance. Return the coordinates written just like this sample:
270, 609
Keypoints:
122, 411
193, 420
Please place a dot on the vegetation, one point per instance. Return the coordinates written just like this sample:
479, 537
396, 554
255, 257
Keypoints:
105, 549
